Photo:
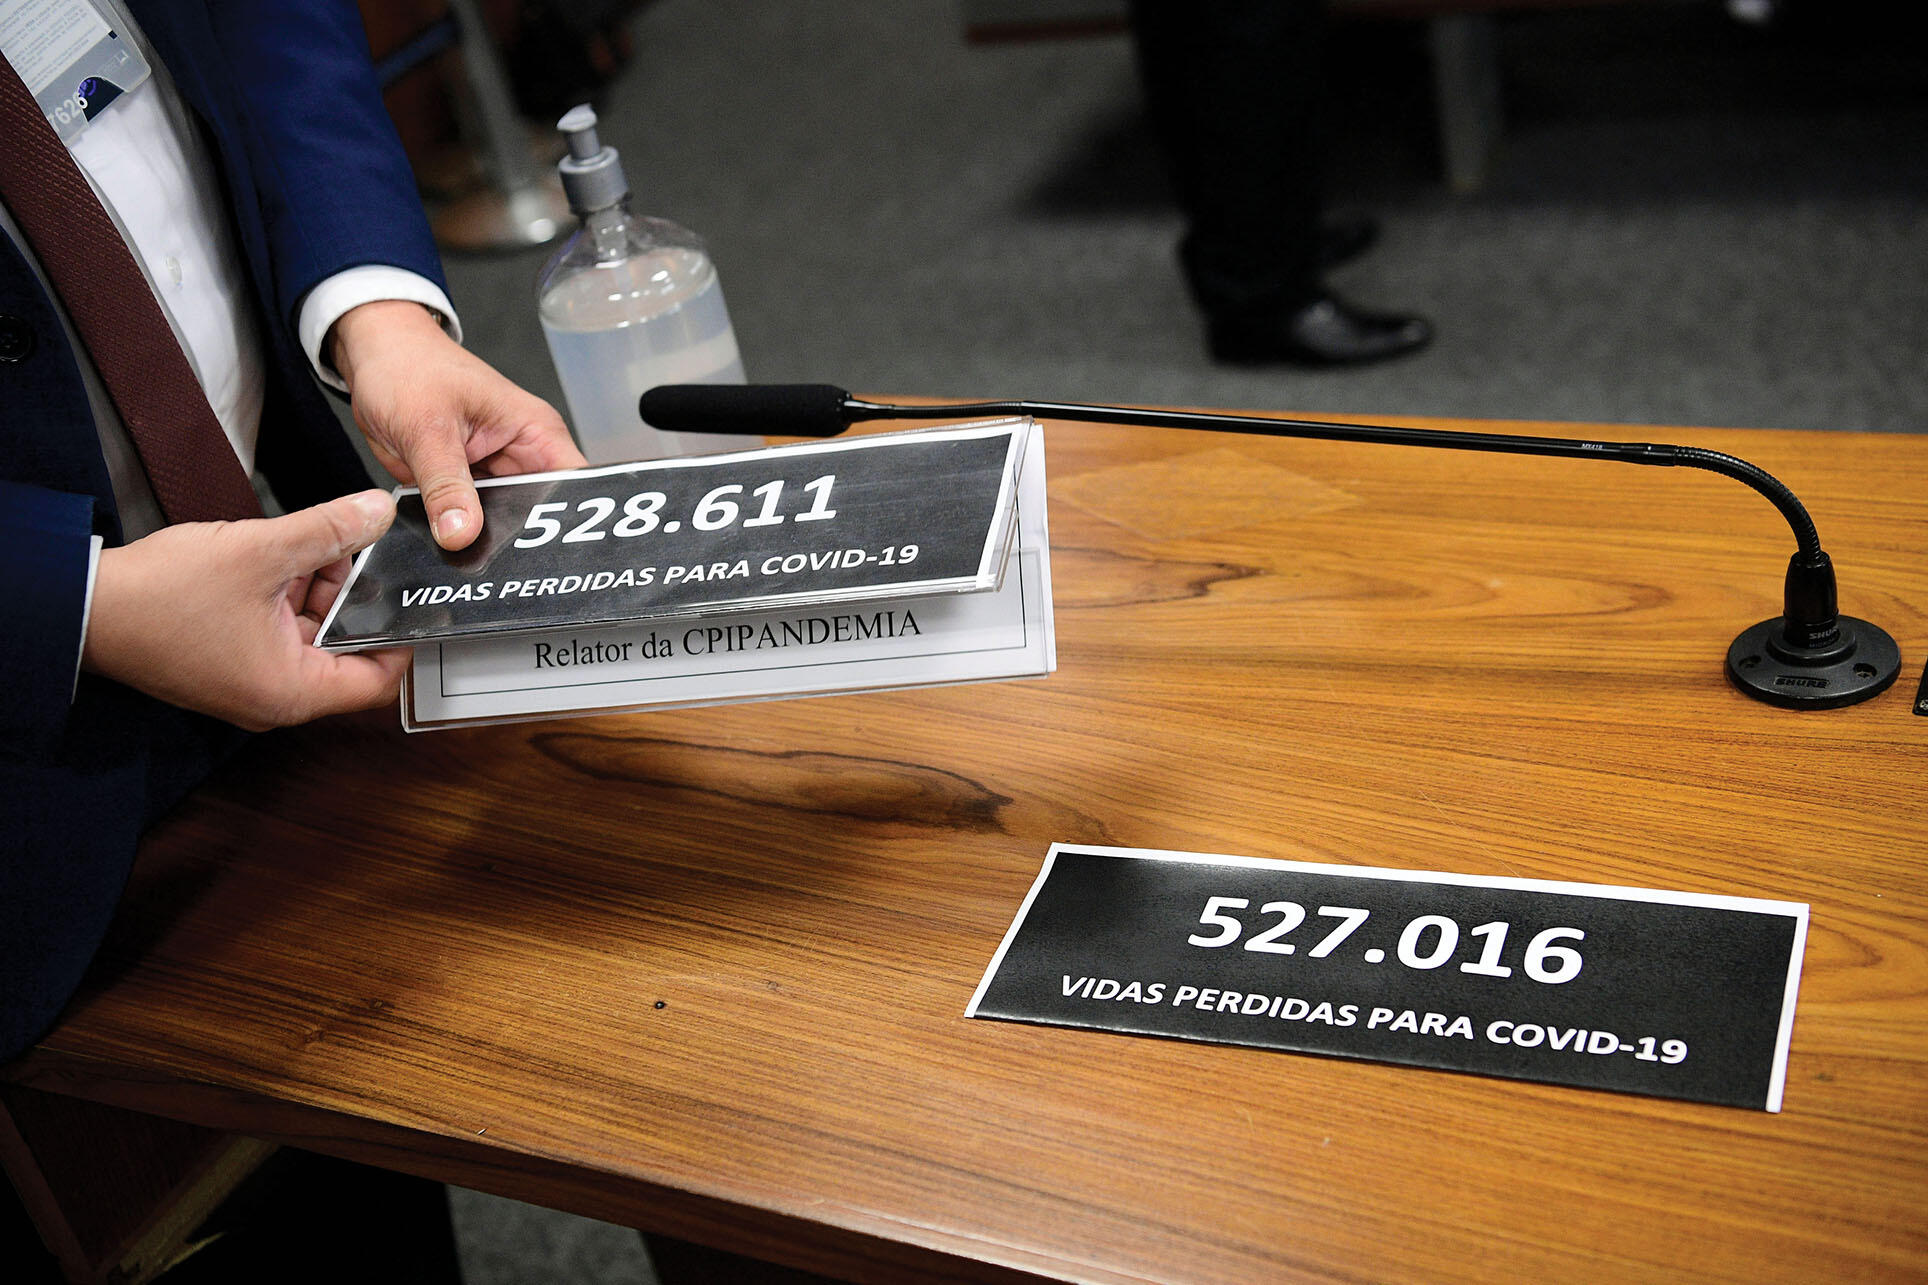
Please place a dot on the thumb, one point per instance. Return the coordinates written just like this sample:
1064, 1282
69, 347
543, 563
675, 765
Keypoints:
309, 539
441, 470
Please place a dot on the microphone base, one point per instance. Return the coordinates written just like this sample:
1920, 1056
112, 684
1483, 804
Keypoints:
1859, 666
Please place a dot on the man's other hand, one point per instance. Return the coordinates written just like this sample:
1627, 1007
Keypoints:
221, 617
433, 412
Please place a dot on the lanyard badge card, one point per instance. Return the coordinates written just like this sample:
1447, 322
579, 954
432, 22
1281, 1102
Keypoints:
72, 59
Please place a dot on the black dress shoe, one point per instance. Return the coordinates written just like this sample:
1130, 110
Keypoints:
1343, 238
1325, 332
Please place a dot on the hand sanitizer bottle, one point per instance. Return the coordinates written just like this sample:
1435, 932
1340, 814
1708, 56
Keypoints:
629, 303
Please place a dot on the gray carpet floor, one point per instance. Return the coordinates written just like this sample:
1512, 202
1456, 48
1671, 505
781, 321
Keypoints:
1688, 222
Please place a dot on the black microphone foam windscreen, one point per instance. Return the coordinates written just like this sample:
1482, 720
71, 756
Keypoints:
780, 410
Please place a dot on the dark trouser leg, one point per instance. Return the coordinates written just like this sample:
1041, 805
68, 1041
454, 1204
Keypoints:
1234, 90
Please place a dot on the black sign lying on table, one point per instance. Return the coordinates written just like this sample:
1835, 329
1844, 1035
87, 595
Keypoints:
886, 516
1673, 994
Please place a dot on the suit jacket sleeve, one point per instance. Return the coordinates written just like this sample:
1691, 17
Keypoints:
333, 184
51, 473
44, 537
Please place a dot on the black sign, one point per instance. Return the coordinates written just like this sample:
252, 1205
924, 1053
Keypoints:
1669, 994
912, 513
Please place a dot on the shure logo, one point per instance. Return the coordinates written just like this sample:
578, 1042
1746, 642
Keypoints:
1791, 680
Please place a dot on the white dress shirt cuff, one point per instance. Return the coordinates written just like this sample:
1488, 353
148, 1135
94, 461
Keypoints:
94, 546
326, 303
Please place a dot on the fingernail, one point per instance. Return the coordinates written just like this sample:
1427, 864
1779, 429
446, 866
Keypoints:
451, 524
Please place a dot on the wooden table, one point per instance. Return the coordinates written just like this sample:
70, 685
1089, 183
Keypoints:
704, 972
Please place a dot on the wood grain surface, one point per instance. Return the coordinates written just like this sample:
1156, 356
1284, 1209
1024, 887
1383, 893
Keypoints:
704, 972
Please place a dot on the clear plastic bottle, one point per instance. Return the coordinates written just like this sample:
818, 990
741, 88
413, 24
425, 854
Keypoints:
628, 303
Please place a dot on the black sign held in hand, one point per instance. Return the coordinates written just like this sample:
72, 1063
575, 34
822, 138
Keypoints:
909, 513
1671, 994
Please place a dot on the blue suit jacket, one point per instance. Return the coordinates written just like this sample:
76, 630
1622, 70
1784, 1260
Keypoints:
316, 183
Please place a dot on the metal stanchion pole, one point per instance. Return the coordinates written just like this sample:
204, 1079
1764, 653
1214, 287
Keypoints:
518, 205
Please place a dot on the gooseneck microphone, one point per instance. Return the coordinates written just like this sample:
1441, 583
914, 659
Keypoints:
1809, 657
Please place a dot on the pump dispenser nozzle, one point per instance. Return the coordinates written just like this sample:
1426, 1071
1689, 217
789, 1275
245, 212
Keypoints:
592, 174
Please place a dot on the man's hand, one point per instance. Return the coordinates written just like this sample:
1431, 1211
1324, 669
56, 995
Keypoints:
433, 411
221, 617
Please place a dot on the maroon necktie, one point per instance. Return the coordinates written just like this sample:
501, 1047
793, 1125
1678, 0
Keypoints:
190, 463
